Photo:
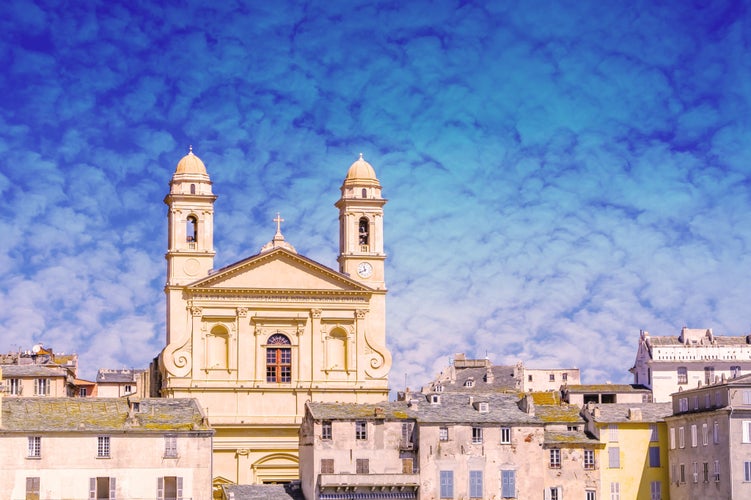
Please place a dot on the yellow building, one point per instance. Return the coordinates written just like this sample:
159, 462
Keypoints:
634, 462
255, 340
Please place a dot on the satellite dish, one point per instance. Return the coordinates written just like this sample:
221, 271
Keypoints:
36, 348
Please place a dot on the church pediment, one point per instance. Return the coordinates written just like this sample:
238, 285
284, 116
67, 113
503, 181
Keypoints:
279, 269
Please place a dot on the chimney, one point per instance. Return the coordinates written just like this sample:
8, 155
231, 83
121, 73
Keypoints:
634, 414
489, 377
527, 405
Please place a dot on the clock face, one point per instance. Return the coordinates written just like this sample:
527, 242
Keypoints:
364, 270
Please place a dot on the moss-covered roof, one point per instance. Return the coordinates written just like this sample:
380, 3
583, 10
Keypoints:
563, 413
100, 415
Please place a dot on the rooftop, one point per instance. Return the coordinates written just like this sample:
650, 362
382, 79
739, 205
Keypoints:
620, 412
290, 491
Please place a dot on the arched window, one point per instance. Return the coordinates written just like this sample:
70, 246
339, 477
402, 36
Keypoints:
364, 231
191, 229
217, 347
278, 359
364, 193
192, 189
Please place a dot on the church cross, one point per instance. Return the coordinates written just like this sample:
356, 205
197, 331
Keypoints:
278, 221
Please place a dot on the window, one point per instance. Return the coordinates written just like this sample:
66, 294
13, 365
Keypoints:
671, 432
555, 458
614, 457
170, 446
529, 378
35, 447
41, 387
682, 375
615, 491
364, 193
746, 397
475, 484
746, 426
589, 459
103, 488
696, 472
735, 371
654, 456
683, 473
681, 437
443, 433
552, 377
191, 229
128, 389
408, 466
169, 488
564, 376
683, 404
708, 374
476, 435
654, 436
83, 392
717, 471
708, 400
706, 472
696, 402
364, 231
508, 484
612, 433
327, 466
32, 488
447, 483
278, 359
590, 495
406, 434
15, 387
363, 466
746, 471
361, 430
554, 493
326, 430
505, 435
655, 489
693, 436
192, 189
572, 427
103, 447
435, 399
704, 434
716, 433
483, 407
470, 382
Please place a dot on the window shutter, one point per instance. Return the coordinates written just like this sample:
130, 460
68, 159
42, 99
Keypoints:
113, 489
92, 488
179, 488
160, 488
47, 388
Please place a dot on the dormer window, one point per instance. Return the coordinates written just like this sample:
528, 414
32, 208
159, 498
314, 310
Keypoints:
483, 407
435, 399
470, 382
438, 388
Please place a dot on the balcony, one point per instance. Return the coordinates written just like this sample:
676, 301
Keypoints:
383, 482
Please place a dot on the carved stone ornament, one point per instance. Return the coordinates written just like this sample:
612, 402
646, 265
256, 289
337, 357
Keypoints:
242, 312
196, 311
243, 451
316, 313
361, 313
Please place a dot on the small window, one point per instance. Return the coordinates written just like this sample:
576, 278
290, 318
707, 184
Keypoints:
654, 456
361, 430
693, 436
192, 189
191, 228
746, 397
103, 447
656, 490
615, 491
735, 371
363, 466
475, 484
443, 433
716, 433
35, 447
708, 374
717, 471
41, 387
682, 375
15, 386
683, 473
327, 466
170, 446
613, 433
683, 404
326, 430
483, 407
128, 389
654, 436
590, 495
681, 437
706, 472
364, 231
364, 193
554, 493
589, 459
470, 382
505, 435
476, 435
508, 484
529, 378
552, 377
555, 458
564, 376
435, 399
83, 392
447, 483
572, 427
746, 471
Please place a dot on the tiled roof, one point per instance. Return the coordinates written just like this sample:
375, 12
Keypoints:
568, 438
588, 388
673, 341
290, 491
503, 380
11, 371
87, 415
116, 376
619, 412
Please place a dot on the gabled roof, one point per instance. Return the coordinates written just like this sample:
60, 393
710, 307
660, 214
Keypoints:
619, 412
273, 271
12, 371
87, 415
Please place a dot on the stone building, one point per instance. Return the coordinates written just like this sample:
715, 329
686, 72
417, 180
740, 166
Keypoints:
116, 383
666, 364
709, 438
254, 340
104, 448
634, 461
447, 445
39, 372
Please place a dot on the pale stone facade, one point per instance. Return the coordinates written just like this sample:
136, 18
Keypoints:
666, 364
116, 383
255, 340
102, 448
582, 394
709, 437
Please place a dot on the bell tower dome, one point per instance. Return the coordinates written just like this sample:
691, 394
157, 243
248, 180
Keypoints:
361, 253
190, 233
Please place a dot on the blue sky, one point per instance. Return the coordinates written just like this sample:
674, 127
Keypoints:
560, 175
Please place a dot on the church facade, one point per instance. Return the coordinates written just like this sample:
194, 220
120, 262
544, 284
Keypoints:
256, 340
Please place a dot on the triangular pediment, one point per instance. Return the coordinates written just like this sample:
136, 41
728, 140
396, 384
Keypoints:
279, 269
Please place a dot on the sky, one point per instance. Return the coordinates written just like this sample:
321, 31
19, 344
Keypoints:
560, 175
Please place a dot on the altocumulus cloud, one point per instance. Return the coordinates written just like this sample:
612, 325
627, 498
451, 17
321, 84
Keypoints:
558, 177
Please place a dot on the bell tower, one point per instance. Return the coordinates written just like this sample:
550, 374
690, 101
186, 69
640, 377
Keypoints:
190, 233
361, 254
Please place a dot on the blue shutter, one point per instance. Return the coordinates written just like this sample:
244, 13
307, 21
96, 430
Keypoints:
447, 484
508, 484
